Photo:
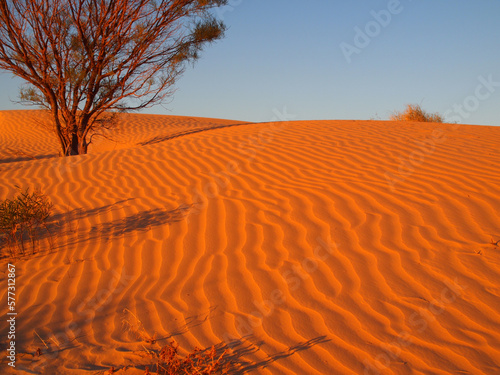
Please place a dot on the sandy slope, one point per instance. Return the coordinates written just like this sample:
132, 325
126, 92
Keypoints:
315, 247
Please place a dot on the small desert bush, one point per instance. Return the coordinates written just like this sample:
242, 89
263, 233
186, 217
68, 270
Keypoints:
22, 218
414, 112
206, 362
167, 360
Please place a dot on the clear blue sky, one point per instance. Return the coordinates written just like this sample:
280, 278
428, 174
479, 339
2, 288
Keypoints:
310, 57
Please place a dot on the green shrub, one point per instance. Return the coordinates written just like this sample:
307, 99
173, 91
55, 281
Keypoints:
22, 218
414, 112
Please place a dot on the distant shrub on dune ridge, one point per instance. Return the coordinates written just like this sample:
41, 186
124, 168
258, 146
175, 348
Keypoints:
414, 112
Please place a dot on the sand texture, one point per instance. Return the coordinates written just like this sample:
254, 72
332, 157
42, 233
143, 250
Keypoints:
306, 247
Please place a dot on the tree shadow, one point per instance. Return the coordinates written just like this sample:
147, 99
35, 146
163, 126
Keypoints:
16, 158
162, 138
58, 225
239, 350
234, 352
63, 231
140, 222
189, 323
80, 213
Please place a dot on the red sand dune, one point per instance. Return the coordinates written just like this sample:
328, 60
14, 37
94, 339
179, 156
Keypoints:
308, 247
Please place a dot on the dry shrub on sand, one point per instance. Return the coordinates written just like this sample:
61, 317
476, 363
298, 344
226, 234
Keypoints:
414, 112
22, 218
206, 362
167, 360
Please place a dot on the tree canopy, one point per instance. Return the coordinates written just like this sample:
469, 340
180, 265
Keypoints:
84, 60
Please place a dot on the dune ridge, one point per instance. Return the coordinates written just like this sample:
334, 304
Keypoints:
310, 247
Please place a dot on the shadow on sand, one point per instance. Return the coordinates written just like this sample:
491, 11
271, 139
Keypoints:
64, 230
237, 351
142, 221
162, 138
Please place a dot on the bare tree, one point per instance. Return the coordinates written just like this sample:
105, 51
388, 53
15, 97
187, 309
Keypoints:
84, 60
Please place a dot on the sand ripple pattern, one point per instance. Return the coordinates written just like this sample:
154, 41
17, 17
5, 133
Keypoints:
311, 247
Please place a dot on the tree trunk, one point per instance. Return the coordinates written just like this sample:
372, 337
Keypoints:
82, 147
77, 146
73, 148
